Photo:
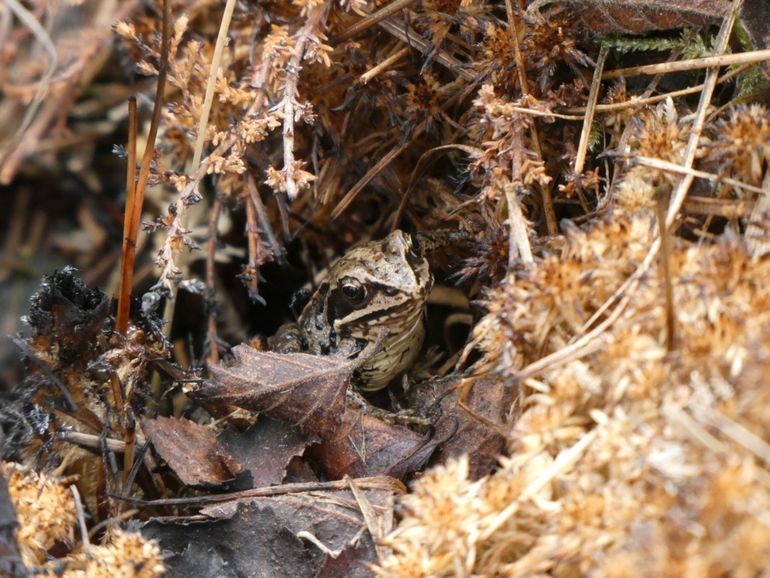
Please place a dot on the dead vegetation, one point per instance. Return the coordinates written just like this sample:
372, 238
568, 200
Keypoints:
592, 399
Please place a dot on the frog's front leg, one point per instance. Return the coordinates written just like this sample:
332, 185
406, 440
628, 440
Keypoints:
404, 417
288, 339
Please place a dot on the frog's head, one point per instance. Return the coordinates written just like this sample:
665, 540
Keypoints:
375, 285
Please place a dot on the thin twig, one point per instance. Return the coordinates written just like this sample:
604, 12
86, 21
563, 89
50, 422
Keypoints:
211, 82
726, 208
712, 177
593, 96
211, 285
665, 262
639, 102
134, 210
412, 39
518, 240
251, 272
124, 291
695, 64
382, 66
370, 483
93, 441
81, 520
372, 20
189, 195
129, 453
264, 221
709, 84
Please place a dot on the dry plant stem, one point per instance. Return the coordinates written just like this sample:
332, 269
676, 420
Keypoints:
382, 66
134, 209
252, 235
735, 431
409, 37
167, 251
125, 285
665, 262
372, 20
370, 518
211, 289
112, 521
371, 483
29, 20
725, 208
756, 233
129, 454
211, 82
81, 519
264, 221
519, 236
316, 17
697, 63
593, 95
635, 103
674, 168
545, 191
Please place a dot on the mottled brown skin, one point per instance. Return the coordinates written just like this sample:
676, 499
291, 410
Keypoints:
377, 285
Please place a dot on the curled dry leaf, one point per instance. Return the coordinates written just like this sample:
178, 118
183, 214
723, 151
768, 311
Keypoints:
307, 391
192, 451
639, 16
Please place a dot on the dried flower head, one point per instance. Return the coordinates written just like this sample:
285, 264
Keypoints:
125, 555
45, 511
741, 144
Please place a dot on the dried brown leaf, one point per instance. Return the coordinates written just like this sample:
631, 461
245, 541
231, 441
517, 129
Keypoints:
364, 445
304, 390
640, 16
265, 449
192, 451
461, 433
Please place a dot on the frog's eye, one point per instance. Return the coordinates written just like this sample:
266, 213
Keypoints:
354, 292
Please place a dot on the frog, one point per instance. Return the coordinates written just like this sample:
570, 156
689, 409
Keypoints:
370, 306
